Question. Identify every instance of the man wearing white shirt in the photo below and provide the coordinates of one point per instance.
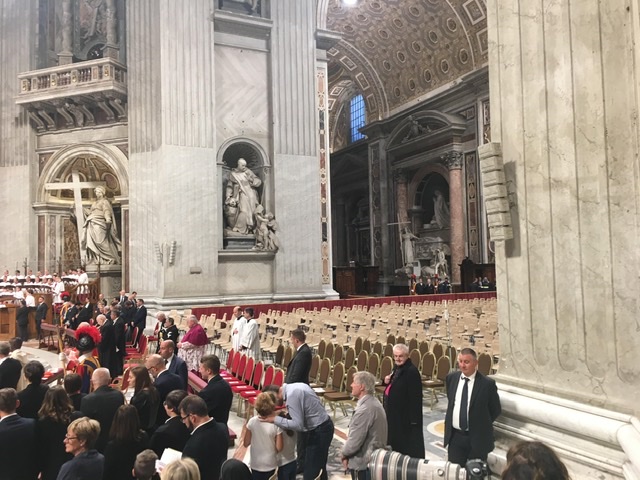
(468, 424)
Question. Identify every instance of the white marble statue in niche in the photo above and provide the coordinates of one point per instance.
(407, 246)
(242, 199)
(441, 214)
(100, 239)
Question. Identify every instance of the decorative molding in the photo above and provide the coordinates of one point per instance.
(495, 192)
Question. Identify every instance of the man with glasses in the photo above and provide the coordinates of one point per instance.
(164, 381)
(209, 440)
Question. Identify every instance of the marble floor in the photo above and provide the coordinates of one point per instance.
(433, 422)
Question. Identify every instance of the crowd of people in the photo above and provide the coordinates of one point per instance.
(87, 429)
(431, 286)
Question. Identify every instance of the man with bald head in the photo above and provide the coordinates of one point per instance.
(174, 364)
(101, 405)
(164, 381)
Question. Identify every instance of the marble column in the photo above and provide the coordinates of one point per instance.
(564, 100)
(18, 163)
(111, 47)
(402, 202)
(296, 166)
(340, 232)
(175, 192)
(65, 56)
(453, 161)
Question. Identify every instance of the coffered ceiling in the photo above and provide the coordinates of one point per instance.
(396, 51)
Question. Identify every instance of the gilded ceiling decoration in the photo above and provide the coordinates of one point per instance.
(394, 51)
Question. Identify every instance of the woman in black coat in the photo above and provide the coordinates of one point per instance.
(145, 398)
(32, 396)
(403, 405)
(53, 419)
(126, 441)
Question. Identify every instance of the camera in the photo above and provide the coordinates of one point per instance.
(386, 465)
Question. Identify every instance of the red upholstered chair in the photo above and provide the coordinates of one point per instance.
(252, 387)
(238, 378)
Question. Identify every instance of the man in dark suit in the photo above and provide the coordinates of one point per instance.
(209, 440)
(41, 314)
(10, 368)
(168, 330)
(473, 406)
(217, 393)
(121, 341)
(17, 439)
(122, 298)
(139, 320)
(174, 363)
(164, 382)
(173, 433)
(85, 314)
(300, 364)
(107, 346)
(101, 404)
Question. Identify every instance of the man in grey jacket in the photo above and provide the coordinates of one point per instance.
(367, 429)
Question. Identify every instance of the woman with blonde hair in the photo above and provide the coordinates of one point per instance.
(185, 469)
(265, 438)
(80, 441)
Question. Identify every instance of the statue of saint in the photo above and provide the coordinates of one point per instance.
(407, 245)
(241, 199)
(441, 214)
(100, 238)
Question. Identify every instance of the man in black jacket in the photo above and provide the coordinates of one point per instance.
(101, 404)
(139, 320)
(217, 393)
(17, 439)
(164, 382)
(209, 440)
(300, 364)
(473, 406)
(10, 368)
(41, 314)
(174, 363)
(172, 433)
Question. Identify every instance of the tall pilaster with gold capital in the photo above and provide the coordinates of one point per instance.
(453, 161)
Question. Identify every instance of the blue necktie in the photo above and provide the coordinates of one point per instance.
(464, 420)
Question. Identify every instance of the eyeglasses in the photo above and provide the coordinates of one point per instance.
(185, 417)
(67, 437)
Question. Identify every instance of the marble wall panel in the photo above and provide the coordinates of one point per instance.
(564, 97)
(245, 276)
(297, 207)
(242, 103)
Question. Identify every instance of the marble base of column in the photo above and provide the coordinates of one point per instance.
(65, 58)
(591, 441)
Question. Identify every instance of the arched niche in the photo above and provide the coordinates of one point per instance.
(258, 163)
(66, 187)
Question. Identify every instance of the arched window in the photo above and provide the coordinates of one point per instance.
(357, 117)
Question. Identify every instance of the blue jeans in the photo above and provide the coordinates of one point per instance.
(317, 451)
(288, 471)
